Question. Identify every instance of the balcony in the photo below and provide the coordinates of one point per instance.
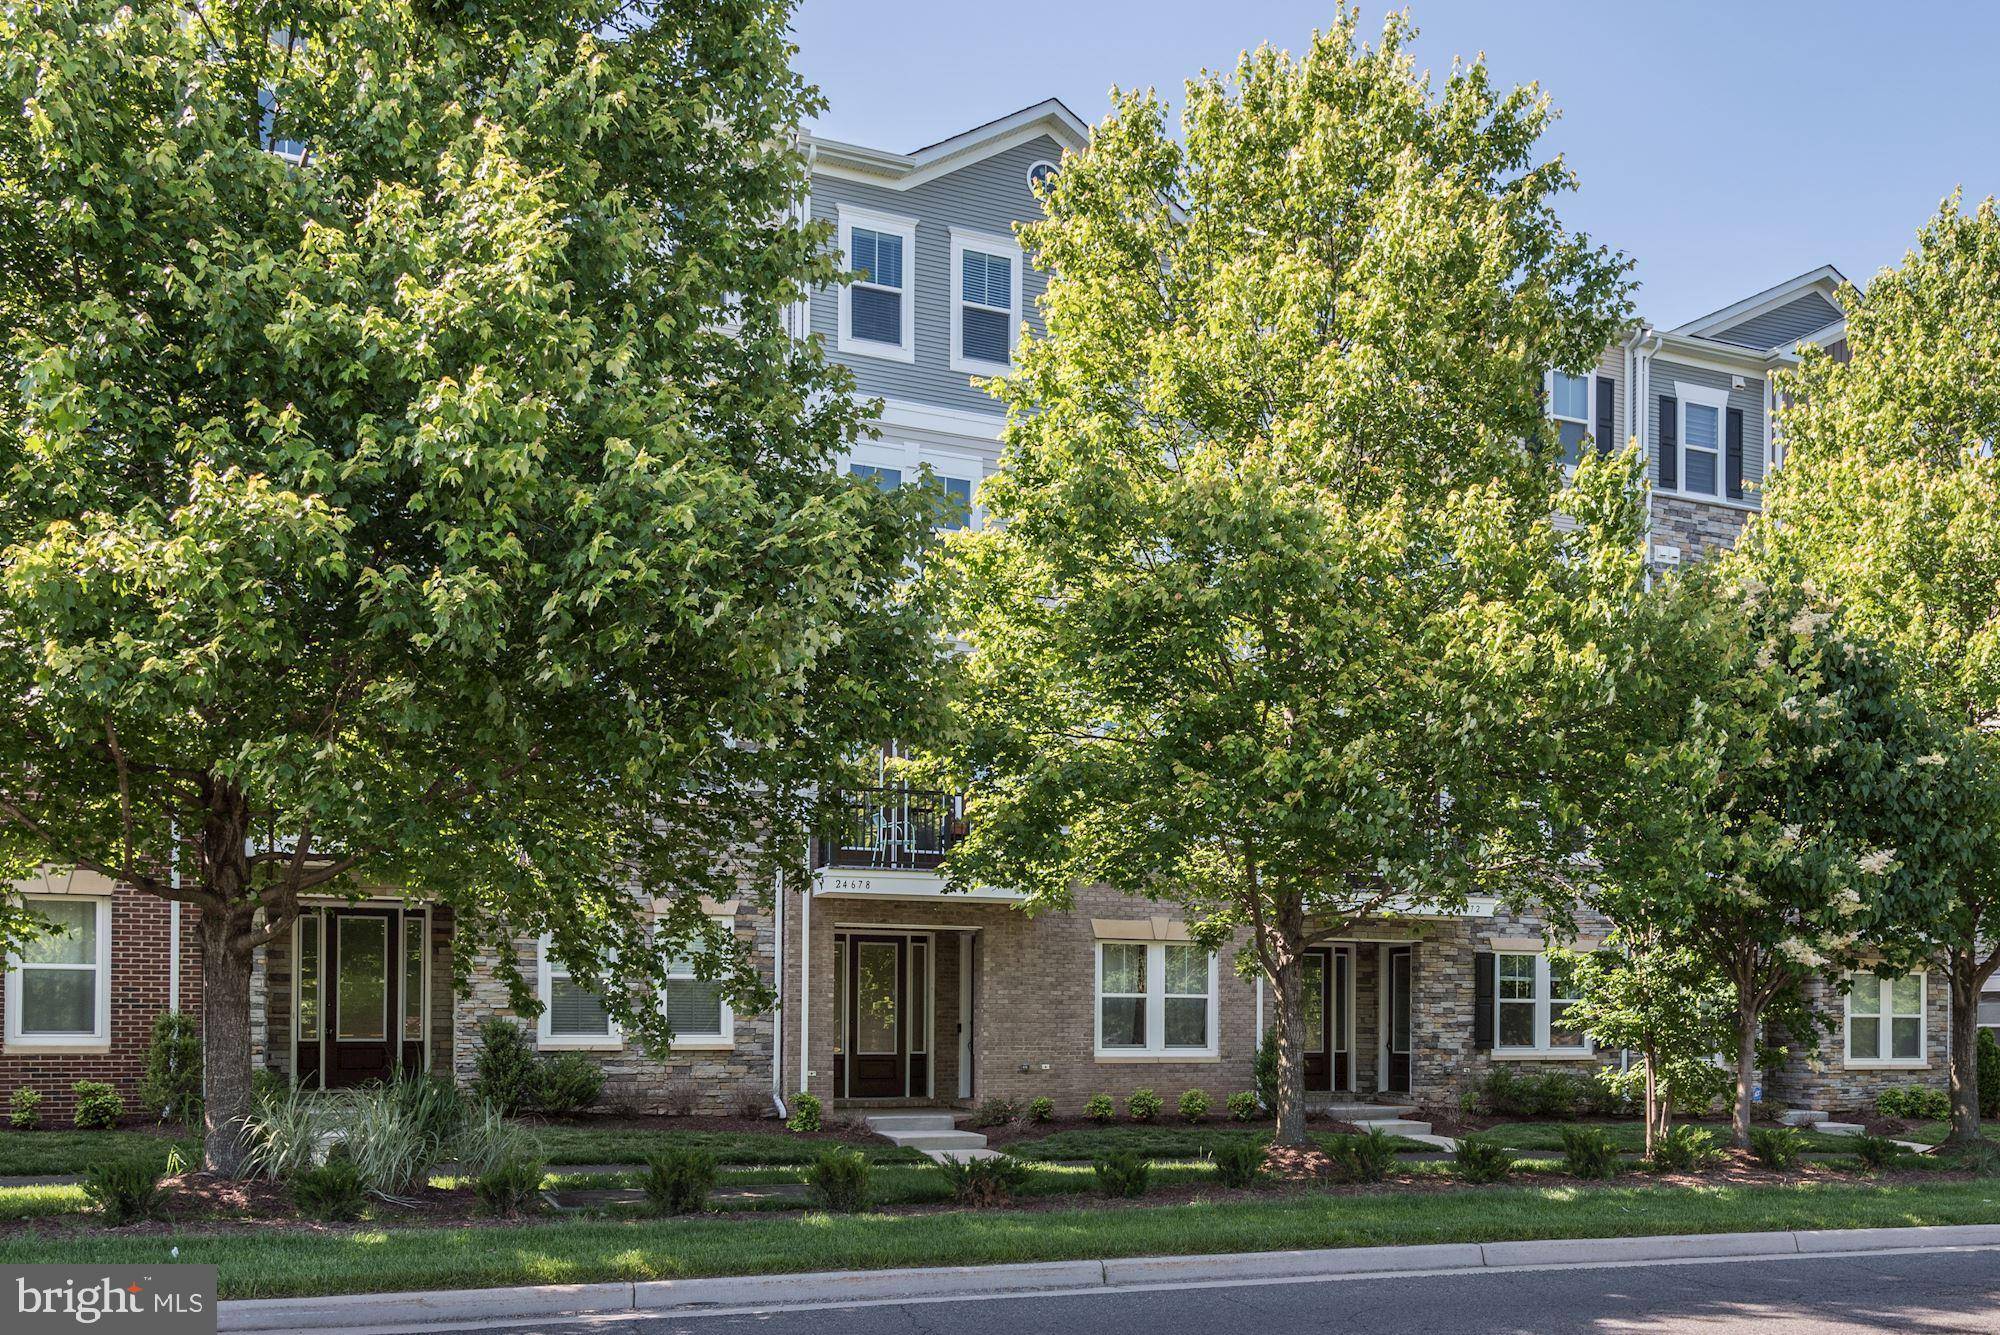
(889, 843)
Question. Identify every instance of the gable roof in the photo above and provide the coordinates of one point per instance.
(1825, 281)
(900, 171)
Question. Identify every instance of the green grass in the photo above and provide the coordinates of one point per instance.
(582, 1144)
(1154, 1142)
(276, 1263)
(1630, 1137)
(1933, 1133)
(35, 1202)
(50, 1153)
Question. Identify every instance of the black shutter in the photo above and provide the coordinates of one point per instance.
(1670, 443)
(1605, 390)
(1482, 1000)
(1735, 459)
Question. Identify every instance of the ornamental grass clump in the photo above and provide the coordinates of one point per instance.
(1362, 1158)
(984, 1183)
(1239, 1161)
(1122, 1175)
(677, 1181)
(1482, 1160)
(1589, 1153)
(838, 1181)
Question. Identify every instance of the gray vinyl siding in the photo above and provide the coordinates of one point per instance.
(1750, 399)
(989, 195)
(1784, 326)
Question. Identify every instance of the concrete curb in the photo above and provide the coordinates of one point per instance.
(647, 1297)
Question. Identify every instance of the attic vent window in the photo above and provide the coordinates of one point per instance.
(1039, 175)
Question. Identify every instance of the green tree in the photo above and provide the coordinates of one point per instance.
(438, 502)
(1277, 624)
(1781, 796)
(1890, 497)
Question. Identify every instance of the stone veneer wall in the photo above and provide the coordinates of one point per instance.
(1825, 1082)
(732, 1082)
(1698, 528)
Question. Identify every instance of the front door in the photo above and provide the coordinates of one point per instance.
(1399, 1019)
(362, 1009)
(1326, 1020)
(878, 1039)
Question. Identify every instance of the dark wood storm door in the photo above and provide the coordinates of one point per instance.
(1326, 974)
(1398, 1018)
(364, 1004)
(878, 1015)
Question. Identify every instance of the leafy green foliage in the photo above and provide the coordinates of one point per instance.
(124, 1190)
(504, 1065)
(1122, 1175)
(678, 1181)
(98, 1106)
(1989, 1074)
(1040, 1109)
(511, 1187)
(1777, 1147)
(24, 1108)
(806, 1114)
(1244, 1106)
(1100, 1109)
(171, 1086)
(1682, 1148)
(1272, 570)
(1264, 1070)
(567, 1083)
(1482, 1160)
(1362, 1158)
(489, 1139)
(448, 507)
(838, 1181)
(1647, 992)
(1876, 1152)
(1194, 1105)
(332, 1190)
(1914, 1103)
(1144, 1105)
(995, 1112)
(984, 1183)
(1238, 1162)
(1588, 1152)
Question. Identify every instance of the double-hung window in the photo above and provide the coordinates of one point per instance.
(1155, 999)
(573, 1013)
(985, 302)
(1885, 1020)
(878, 303)
(1704, 412)
(1569, 407)
(695, 1007)
(1532, 995)
(59, 984)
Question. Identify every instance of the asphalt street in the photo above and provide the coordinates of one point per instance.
(1950, 1291)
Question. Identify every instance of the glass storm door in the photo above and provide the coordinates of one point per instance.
(878, 1039)
(1399, 1019)
(363, 1011)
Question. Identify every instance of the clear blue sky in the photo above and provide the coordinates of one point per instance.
(1723, 146)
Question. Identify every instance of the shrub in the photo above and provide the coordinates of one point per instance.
(1122, 1174)
(1468, 1103)
(396, 1133)
(489, 1139)
(24, 1109)
(98, 1105)
(1363, 1158)
(171, 1086)
(1143, 1105)
(1100, 1109)
(268, 1084)
(1777, 1147)
(806, 1112)
(1041, 1109)
(1875, 1152)
(1588, 1152)
(1194, 1105)
(331, 1191)
(568, 1083)
(287, 1132)
(1264, 1071)
(995, 1112)
(505, 1070)
(511, 1187)
(1598, 1096)
(124, 1190)
(1989, 1074)
(1680, 1148)
(1243, 1106)
(1239, 1161)
(1553, 1094)
(1478, 1159)
(677, 1181)
(838, 1181)
(1981, 1157)
(1914, 1103)
(984, 1183)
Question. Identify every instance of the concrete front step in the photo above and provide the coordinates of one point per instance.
(883, 1124)
(1365, 1112)
(936, 1140)
(1396, 1126)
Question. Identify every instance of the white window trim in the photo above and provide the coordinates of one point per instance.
(906, 228)
(719, 1042)
(908, 457)
(1156, 1049)
(1589, 419)
(1008, 249)
(545, 1037)
(99, 1039)
(1705, 397)
(1541, 1049)
(1887, 1016)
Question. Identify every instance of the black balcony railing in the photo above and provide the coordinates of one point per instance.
(903, 828)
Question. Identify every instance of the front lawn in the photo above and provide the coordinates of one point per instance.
(584, 1144)
(272, 1263)
(53, 1153)
(1156, 1142)
(1933, 1133)
(1630, 1137)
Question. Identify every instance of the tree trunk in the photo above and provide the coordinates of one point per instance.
(1965, 987)
(1746, 1073)
(225, 1045)
(1288, 990)
(1656, 1121)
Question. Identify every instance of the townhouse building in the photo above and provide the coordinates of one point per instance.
(892, 992)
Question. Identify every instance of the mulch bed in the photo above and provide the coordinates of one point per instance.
(835, 1129)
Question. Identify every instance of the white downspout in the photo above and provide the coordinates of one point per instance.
(778, 967)
(805, 987)
(1260, 1010)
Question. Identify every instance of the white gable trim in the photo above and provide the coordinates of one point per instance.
(902, 171)
(1825, 280)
